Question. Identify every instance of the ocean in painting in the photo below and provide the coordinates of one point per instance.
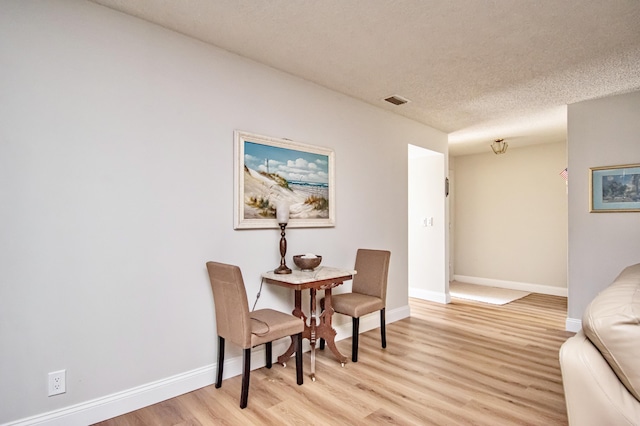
(311, 188)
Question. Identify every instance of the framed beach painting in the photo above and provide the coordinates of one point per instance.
(270, 171)
(615, 188)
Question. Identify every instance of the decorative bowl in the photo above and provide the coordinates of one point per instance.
(307, 263)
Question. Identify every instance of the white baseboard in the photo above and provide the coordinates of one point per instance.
(573, 324)
(123, 402)
(372, 321)
(432, 296)
(119, 403)
(514, 285)
(369, 322)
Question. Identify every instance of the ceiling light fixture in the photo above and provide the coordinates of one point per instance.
(499, 146)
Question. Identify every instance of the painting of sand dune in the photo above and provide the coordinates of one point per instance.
(270, 171)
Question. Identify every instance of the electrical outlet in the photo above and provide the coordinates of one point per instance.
(57, 382)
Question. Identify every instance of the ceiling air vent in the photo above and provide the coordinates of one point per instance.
(396, 100)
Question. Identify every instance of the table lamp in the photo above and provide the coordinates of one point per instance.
(282, 216)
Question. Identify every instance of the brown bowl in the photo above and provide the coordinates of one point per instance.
(307, 264)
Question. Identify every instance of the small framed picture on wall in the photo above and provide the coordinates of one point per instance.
(614, 189)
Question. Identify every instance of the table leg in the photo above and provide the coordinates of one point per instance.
(297, 311)
(326, 330)
(313, 333)
(317, 328)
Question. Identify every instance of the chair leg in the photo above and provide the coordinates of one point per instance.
(383, 329)
(268, 354)
(246, 370)
(354, 338)
(220, 361)
(299, 374)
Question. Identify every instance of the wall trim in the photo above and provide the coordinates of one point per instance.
(118, 403)
(372, 321)
(514, 285)
(432, 296)
(123, 402)
(573, 324)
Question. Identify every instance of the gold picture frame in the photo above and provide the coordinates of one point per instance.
(614, 189)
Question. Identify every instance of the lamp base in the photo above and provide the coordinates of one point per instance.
(282, 269)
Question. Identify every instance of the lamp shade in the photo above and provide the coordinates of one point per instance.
(282, 212)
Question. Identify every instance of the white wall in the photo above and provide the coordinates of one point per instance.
(428, 275)
(116, 175)
(602, 132)
(510, 218)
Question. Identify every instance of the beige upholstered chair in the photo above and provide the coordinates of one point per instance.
(247, 329)
(369, 294)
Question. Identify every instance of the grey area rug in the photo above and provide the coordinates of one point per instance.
(482, 293)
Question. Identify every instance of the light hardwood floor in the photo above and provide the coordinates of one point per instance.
(465, 363)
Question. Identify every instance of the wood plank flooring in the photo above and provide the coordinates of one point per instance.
(465, 363)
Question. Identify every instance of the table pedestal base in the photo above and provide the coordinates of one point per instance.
(321, 329)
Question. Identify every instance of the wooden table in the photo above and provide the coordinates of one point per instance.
(322, 278)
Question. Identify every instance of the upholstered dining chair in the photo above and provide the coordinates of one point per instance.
(368, 294)
(247, 329)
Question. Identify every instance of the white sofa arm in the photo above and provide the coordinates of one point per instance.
(594, 394)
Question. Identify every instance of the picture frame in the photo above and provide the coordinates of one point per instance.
(269, 170)
(614, 189)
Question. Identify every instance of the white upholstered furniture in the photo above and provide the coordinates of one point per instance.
(601, 363)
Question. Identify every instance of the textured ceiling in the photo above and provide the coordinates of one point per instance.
(476, 69)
